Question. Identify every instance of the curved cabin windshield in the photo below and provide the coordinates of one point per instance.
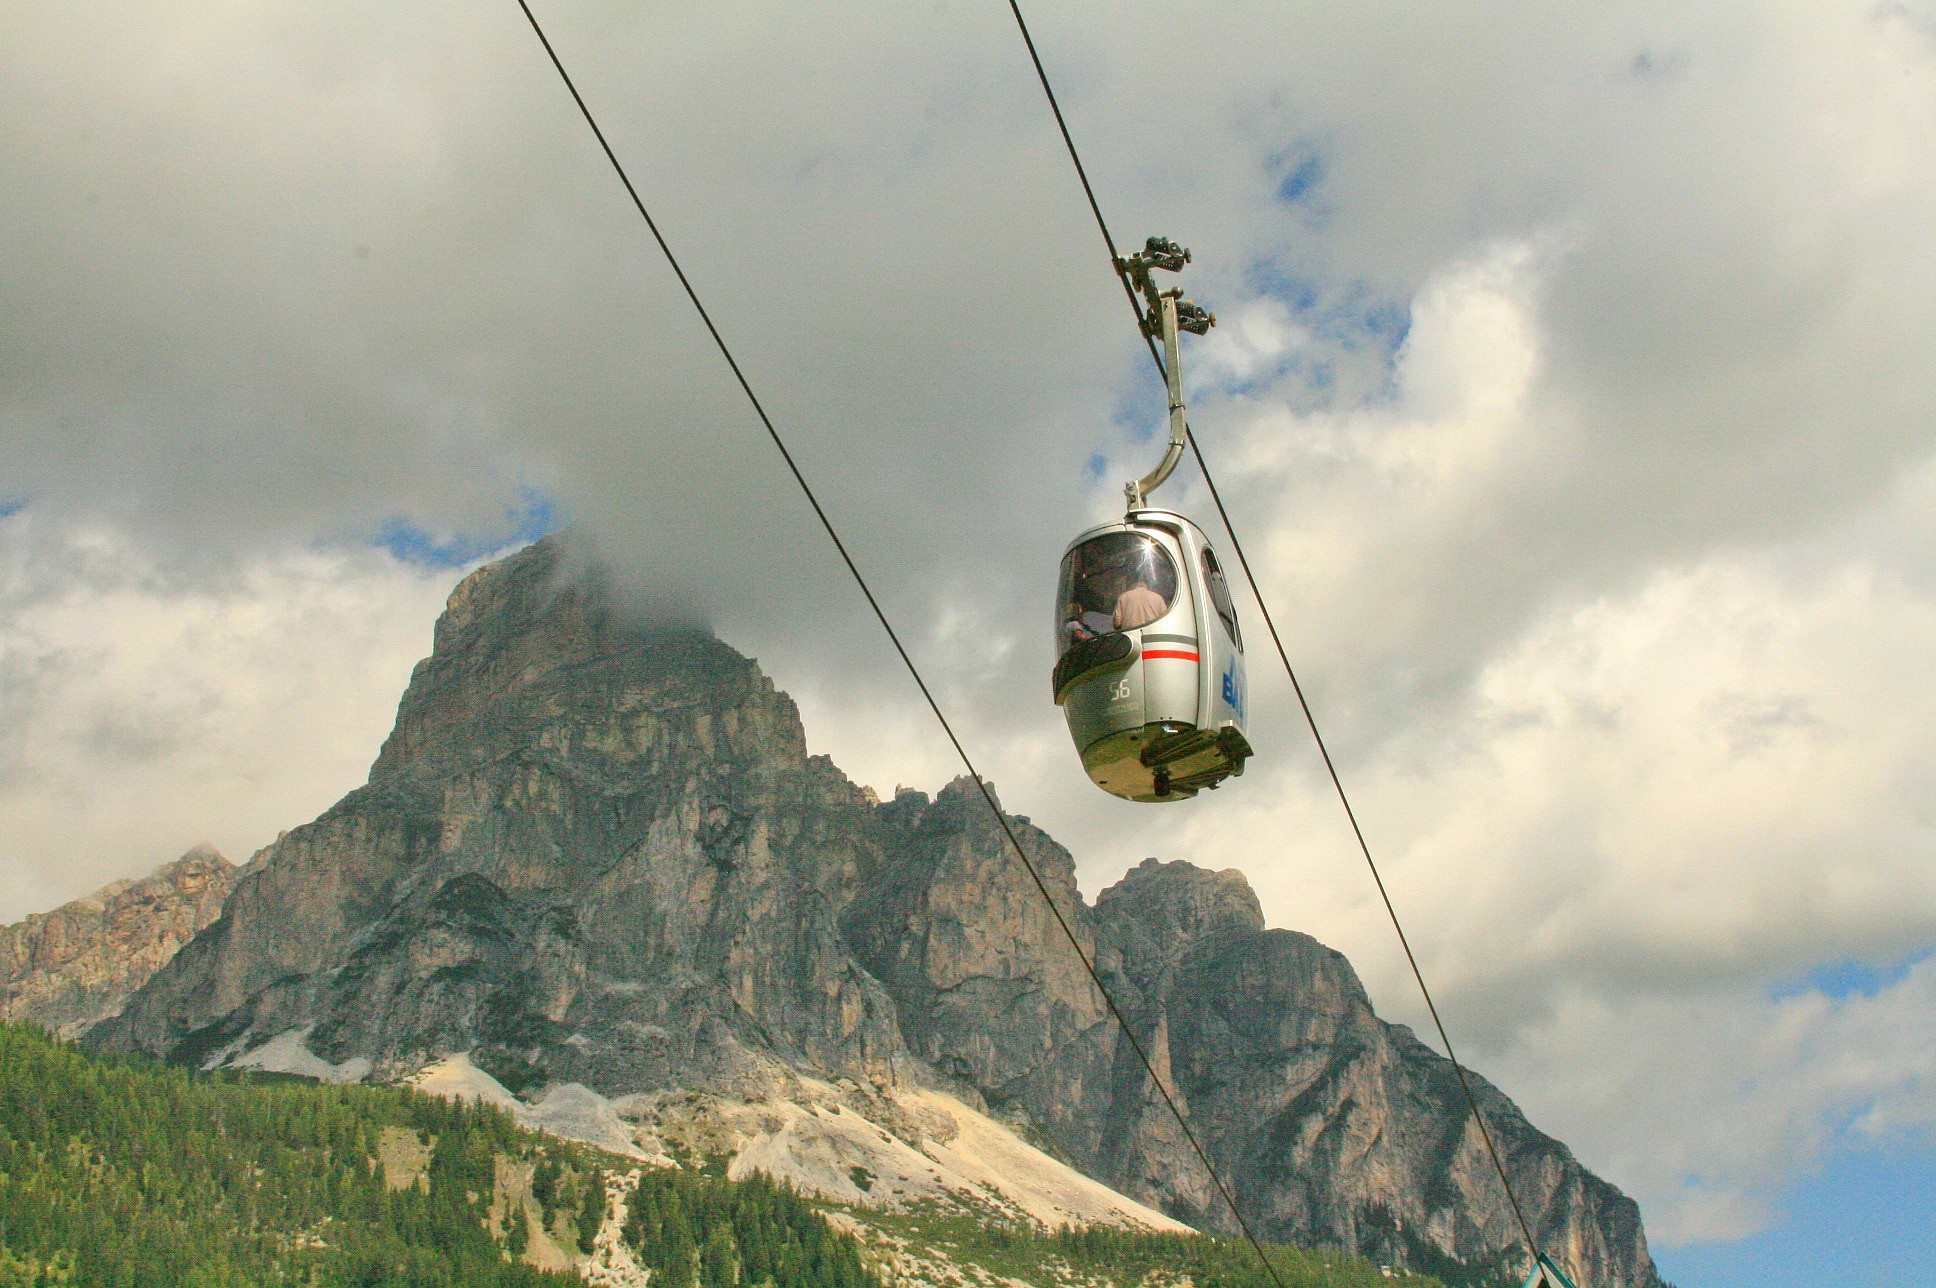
(1116, 582)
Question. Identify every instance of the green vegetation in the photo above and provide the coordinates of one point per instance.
(122, 1174)
(698, 1231)
(1214, 1262)
(126, 1174)
(1129, 1258)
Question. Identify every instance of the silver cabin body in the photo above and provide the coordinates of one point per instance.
(1149, 658)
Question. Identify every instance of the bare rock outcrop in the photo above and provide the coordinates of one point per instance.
(1330, 1125)
(596, 852)
(70, 968)
(1323, 1115)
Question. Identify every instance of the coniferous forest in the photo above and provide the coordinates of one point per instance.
(121, 1173)
(698, 1231)
(124, 1174)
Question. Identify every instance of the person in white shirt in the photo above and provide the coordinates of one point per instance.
(1138, 606)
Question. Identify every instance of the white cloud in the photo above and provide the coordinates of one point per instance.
(143, 715)
(1612, 843)
(1742, 1093)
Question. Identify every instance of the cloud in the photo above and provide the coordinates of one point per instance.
(1717, 765)
(1789, 1077)
(1571, 393)
(144, 715)
(1642, 815)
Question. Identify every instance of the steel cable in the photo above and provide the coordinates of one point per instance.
(1263, 608)
(987, 795)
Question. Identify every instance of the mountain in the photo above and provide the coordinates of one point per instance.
(594, 868)
(66, 969)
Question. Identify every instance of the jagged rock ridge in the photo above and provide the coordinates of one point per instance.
(600, 854)
(67, 969)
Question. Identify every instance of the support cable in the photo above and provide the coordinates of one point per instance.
(1263, 608)
(987, 795)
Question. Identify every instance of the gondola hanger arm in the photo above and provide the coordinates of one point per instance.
(1166, 315)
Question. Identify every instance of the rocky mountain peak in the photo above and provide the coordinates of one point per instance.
(1179, 902)
(70, 968)
(595, 861)
(532, 653)
(199, 859)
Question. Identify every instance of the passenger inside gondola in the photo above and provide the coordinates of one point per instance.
(1138, 605)
(1115, 583)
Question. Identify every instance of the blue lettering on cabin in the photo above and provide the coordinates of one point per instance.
(1233, 693)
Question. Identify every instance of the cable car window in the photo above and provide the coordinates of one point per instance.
(1220, 596)
(1115, 582)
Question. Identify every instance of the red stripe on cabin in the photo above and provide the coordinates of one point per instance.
(1178, 654)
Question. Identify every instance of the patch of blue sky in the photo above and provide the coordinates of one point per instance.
(10, 506)
(1866, 1218)
(1352, 315)
(1314, 376)
(1301, 180)
(1320, 376)
(407, 541)
(1302, 169)
(1850, 977)
(1389, 321)
(1299, 294)
(1098, 465)
(1349, 320)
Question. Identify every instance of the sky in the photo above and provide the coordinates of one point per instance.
(1570, 392)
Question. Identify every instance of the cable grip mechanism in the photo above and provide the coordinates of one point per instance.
(1165, 313)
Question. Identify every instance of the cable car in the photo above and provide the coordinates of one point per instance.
(1149, 668)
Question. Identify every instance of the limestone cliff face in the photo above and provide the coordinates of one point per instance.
(600, 853)
(67, 969)
(1324, 1115)
(1329, 1124)
(587, 853)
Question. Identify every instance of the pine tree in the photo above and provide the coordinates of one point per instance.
(591, 1211)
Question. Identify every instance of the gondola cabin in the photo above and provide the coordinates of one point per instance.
(1149, 659)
